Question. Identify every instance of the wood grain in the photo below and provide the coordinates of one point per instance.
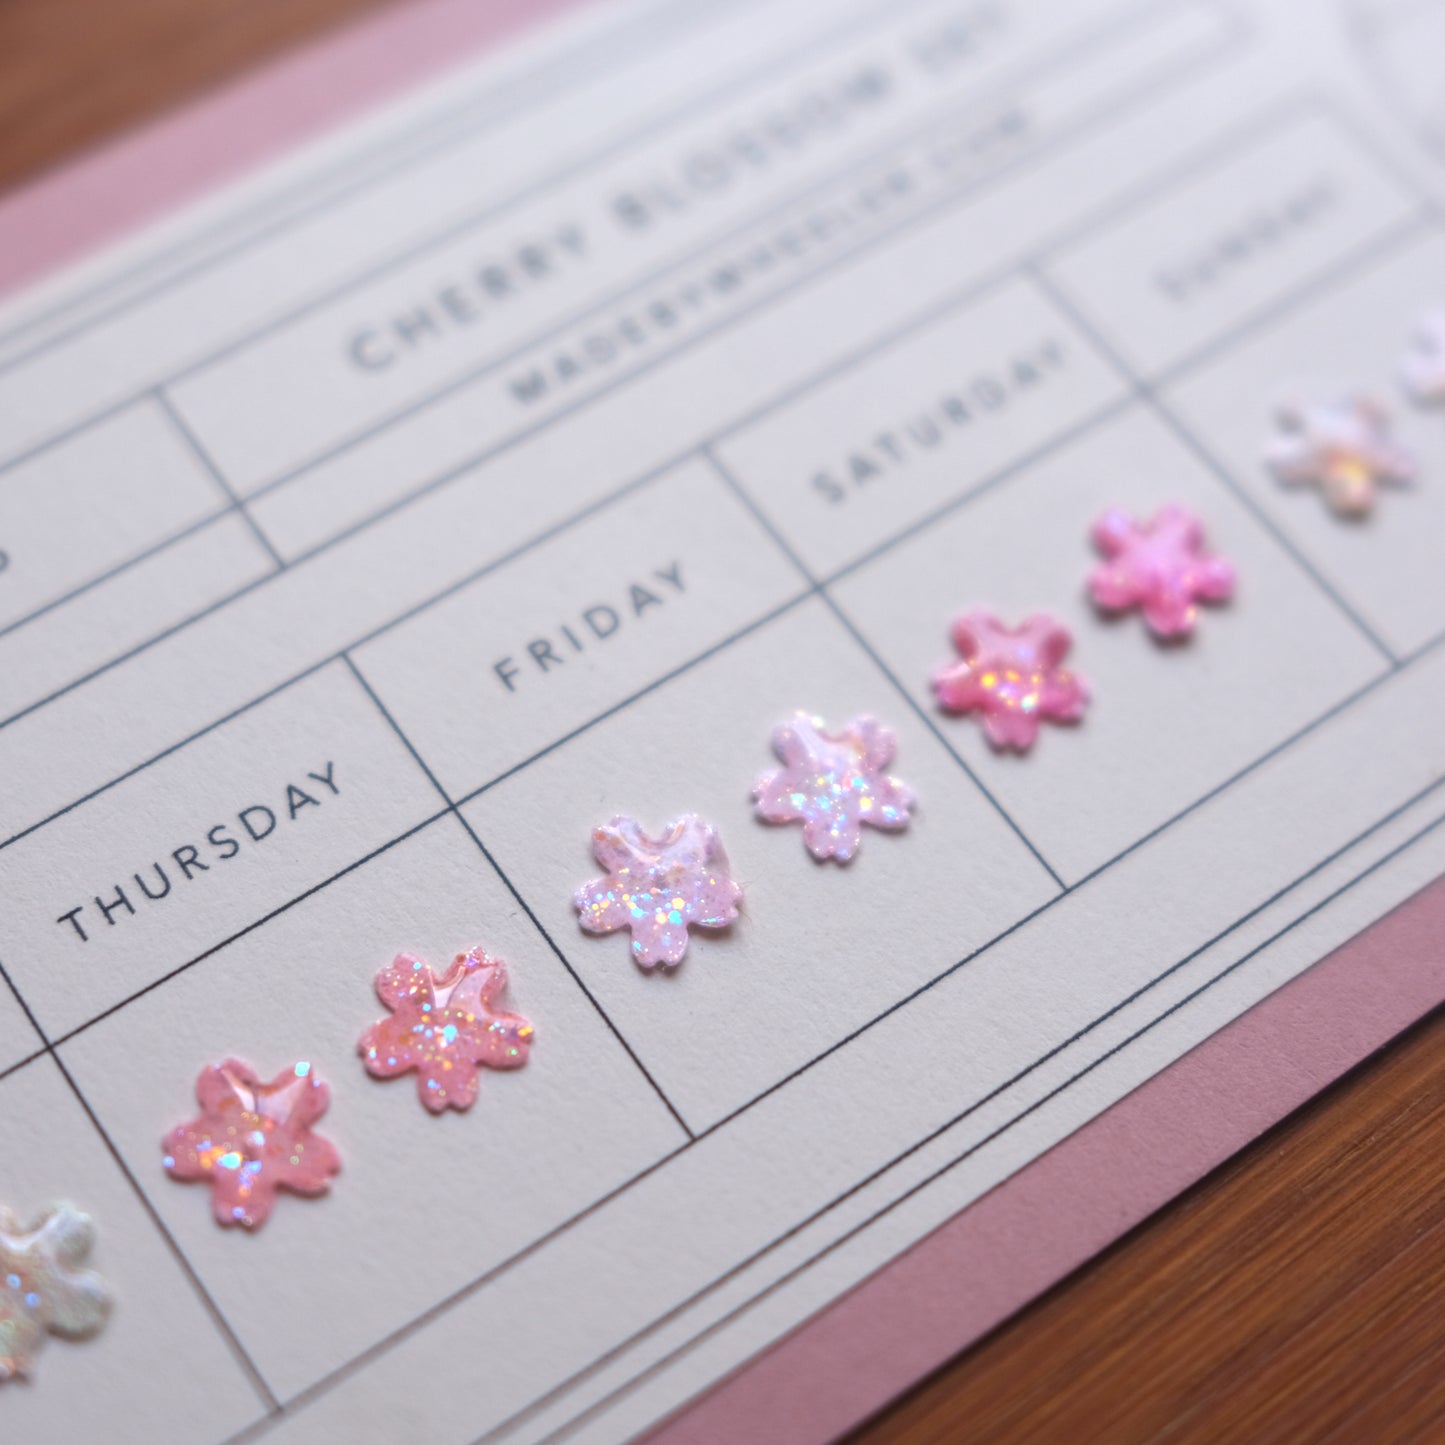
(1298, 1294)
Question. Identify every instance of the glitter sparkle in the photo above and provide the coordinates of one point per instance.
(1424, 367)
(444, 1028)
(1013, 676)
(1343, 448)
(658, 888)
(1159, 566)
(43, 1289)
(833, 783)
(252, 1139)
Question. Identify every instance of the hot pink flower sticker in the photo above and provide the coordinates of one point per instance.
(252, 1139)
(444, 1028)
(1014, 676)
(833, 783)
(1159, 566)
(1343, 448)
(658, 887)
(1425, 363)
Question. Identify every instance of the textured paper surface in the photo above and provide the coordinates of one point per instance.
(521, 456)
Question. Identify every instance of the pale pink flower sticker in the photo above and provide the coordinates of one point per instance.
(1159, 566)
(1013, 676)
(833, 783)
(252, 1139)
(1344, 448)
(444, 1028)
(658, 888)
(1424, 367)
(43, 1288)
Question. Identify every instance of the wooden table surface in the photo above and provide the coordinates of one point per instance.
(1297, 1294)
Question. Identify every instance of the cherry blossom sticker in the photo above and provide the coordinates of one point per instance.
(1159, 566)
(1424, 367)
(252, 1139)
(44, 1290)
(444, 1028)
(1013, 676)
(833, 783)
(1344, 448)
(658, 888)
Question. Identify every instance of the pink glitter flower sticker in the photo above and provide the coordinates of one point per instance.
(252, 1139)
(658, 887)
(445, 1028)
(1343, 448)
(1159, 566)
(833, 783)
(1013, 676)
(1424, 367)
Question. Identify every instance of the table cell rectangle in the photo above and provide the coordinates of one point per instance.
(1208, 252)
(860, 459)
(162, 1364)
(611, 606)
(84, 505)
(103, 622)
(124, 889)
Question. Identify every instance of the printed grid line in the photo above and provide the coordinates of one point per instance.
(208, 464)
(1231, 41)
